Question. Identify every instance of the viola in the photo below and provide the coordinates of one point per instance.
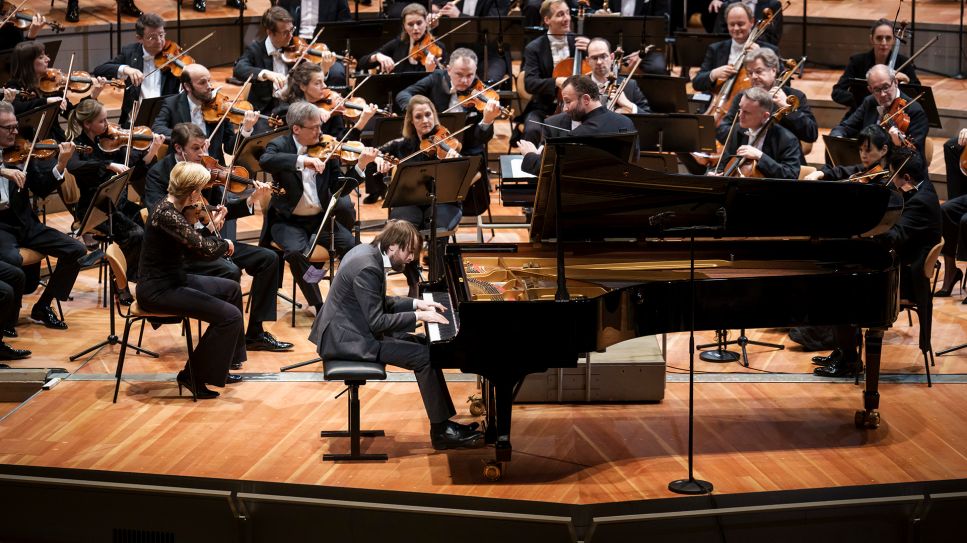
(22, 18)
(897, 115)
(116, 138)
(235, 180)
(54, 80)
(351, 108)
(213, 110)
(438, 142)
(869, 175)
(199, 212)
(43, 150)
(426, 46)
(477, 95)
(168, 52)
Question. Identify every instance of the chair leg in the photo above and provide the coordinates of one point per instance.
(117, 375)
(909, 318)
(191, 369)
(293, 301)
(354, 433)
(926, 365)
(141, 335)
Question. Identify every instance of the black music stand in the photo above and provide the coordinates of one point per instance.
(102, 210)
(148, 111)
(387, 129)
(431, 183)
(252, 147)
(631, 33)
(359, 37)
(690, 48)
(49, 112)
(665, 93)
(381, 89)
(662, 133)
(842, 151)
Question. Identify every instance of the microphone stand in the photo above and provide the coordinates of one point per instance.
(960, 45)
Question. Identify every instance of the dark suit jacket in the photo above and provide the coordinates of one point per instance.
(859, 64)
(132, 55)
(599, 121)
(643, 8)
(485, 8)
(90, 170)
(772, 34)
(397, 49)
(254, 59)
(40, 183)
(866, 115)
(780, 152)
(717, 55)
(802, 122)
(358, 313)
(919, 226)
(633, 93)
(329, 11)
(175, 109)
(280, 160)
(539, 68)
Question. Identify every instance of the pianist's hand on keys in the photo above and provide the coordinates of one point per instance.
(430, 312)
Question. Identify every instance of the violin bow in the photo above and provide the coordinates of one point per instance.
(32, 144)
(917, 54)
(308, 46)
(621, 87)
(228, 110)
(435, 144)
(231, 162)
(899, 111)
(789, 73)
(897, 172)
(67, 80)
(476, 94)
(179, 55)
(425, 47)
(135, 109)
(13, 13)
(725, 145)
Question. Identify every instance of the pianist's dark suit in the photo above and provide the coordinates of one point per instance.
(718, 55)
(600, 121)
(360, 322)
(780, 152)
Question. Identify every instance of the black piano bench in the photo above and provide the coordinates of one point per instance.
(354, 373)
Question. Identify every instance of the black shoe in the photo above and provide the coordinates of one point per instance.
(842, 369)
(73, 14)
(236, 365)
(9, 353)
(45, 315)
(374, 197)
(266, 342)
(128, 8)
(944, 292)
(201, 391)
(236, 4)
(456, 436)
(199, 5)
(10, 332)
(833, 358)
(90, 259)
(125, 297)
(232, 378)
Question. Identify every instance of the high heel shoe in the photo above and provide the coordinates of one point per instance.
(201, 391)
(128, 8)
(945, 292)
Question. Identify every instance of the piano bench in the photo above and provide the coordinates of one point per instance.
(354, 373)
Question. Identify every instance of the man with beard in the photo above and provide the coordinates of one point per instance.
(583, 115)
(360, 322)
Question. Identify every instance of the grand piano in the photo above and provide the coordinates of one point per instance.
(608, 260)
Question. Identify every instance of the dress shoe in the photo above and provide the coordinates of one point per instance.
(236, 365)
(73, 11)
(128, 8)
(833, 358)
(9, 353)
(201, 391)
(45, 315)
(236, 4)
(4, 366)
(90, 259)
(374, 197)
(456, 436)
(841, 369)
(232, 379)
(199, 5)
(944, 292)
(266, 342)
(10, 332)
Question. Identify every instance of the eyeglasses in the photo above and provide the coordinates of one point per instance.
(286, 31)
(882, 88)
(155, 37)
(600, 58)
(313, 127)
(9, 127)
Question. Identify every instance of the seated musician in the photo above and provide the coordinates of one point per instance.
(953, 150)
(415, 26)
(954, 214)
(307, 15)
(10, 35)
(497, 64)
(882, 41)
(775, 152)
(12, 280)
(884, 94)
(875, 150)
(631, 100)
(913, 235)
(188, 144)
(360, 322)
(19, 226)
(653, 61)
(541, 55)
(136, 63)
(583, 114)
(773, 32)
(721, 58)
(188, 107)
(165, 287)
(294, 217)
(762, 66)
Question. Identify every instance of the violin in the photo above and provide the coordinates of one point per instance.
(43, 150)
(213, 110)
(199, 212)
(348, 152)
(22, 18)
(739, 166)
(54, 80)
(116, 137)
(426, 46)
(351, 108)
(298, 47)
(235, 180)
(168, 52)
(869, 175)
(896, 115)
(477, 95)
(438, 142)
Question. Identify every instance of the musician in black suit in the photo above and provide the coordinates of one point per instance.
(913, 235)
(875, 150)
(956, 178)
(583, 115)
(12, 281)
(10, 35)
(293, 218)
(479, 8)
(360, 322)
(631, 100)
(309, 15)
(540, 57)
(19, 226)
(498, 65)
(882, 40)
(721, 58)
(188, 106)
(415, 25)
(772, 34)
(762, 65)
(776, 151)
(136, 60)
(654, 61)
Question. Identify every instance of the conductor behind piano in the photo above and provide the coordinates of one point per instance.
(360, 322)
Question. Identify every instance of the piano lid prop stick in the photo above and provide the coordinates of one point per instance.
(550, 126)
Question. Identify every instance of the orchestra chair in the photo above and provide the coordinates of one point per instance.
(807, 147)
(135, 313)
(921, 301)
(805, 170)
(354, 373)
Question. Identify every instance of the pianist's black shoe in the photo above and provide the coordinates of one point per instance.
(454, 435)
(834, 358)
(45, 315)
(10, 332)
(840, 369)
(9, 353)
(266, 342)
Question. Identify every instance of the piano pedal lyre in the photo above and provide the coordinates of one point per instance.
(493, 470)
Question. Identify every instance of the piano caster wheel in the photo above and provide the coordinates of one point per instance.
(477, 407)
(493, 470)
(867, 420)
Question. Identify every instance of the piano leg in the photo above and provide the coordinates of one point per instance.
(499, 397)
(869, 418)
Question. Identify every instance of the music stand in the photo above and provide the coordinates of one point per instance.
(381, 89)
(32, 119)
(359, 36)
(149, 109)
(675, 132)
(387, 129)
(690, 48)
(431, 183)
(251, 149)
(665, 93)
(102, 210)
(927, 101)
(841, 151)
(631, 33)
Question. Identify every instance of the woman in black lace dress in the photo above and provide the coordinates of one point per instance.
(165, 287)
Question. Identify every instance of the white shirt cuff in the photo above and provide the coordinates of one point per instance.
(300, 162)
(414, 304)
(360, 171)
(121, 71)
(57, 174)
(262, 75)
(247, 132)
(485, 126)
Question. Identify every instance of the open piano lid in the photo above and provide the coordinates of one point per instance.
(605, 197)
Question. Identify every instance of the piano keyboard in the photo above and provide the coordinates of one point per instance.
(435, 331)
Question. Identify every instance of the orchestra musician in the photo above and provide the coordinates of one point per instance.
(583, 114)
(762, 66)
(772, 34)
(654, 61)
(954, 214)
(875, 149)
(601, 59)
(540, 57)
(953, 150)
(913, 235)
(720, 59)
(498, 65)
(308, 15)
(20, 227)
(136, 63)
(10, 35)
(360, 322)
(188, 107)
(189, 145)
(415, 26)
(882, 40)
(12, 281)
(776, 152)
(165, 287)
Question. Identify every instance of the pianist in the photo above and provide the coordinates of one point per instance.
(360, 322)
